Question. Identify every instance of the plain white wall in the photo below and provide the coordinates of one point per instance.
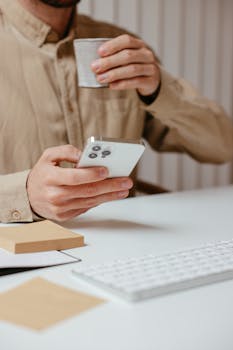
(194, 39)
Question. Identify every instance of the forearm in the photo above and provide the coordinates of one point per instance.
(183, 121)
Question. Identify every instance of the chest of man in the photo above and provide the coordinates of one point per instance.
(41, 105)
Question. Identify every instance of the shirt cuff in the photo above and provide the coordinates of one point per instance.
(166, 98)
(14, 202)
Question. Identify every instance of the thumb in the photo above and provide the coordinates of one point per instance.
(58, 154)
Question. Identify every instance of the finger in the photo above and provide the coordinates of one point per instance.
(65, 193)
(57, 176)
(122, 42)
(69, 215)
(147, 84)
(122, 58)
(61, 153)
(85, 203)
(127, 72)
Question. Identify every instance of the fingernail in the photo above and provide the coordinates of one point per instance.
(96, 66)
(123, 194)
(102, 77)
(126, 184)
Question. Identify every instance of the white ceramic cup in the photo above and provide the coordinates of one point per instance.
(86, 52)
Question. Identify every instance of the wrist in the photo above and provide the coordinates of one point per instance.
(149, 99)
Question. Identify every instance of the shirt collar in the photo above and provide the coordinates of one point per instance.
(30, 26)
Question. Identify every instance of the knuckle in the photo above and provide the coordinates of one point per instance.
(112, 76)
(47, 153)
(90, 190)
(106, 63)
(56, 211)
(128, 38)
(128, 54)
(150, 54)
(72, 178)
(69, 148)
(135, 69)
(147, 52)
(54, 197)
(142, 43)
(59, 214)
(48, 197)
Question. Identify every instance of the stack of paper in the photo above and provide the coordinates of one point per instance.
(41, 259)
(37, 245)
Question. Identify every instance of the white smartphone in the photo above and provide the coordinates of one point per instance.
(118, 155)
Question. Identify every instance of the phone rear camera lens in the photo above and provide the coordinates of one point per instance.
(96, 148)
(106, 153)
(92, 155)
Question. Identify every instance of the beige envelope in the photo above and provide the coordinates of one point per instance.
(39, 304)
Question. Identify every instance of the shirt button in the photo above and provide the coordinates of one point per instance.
(16, 215)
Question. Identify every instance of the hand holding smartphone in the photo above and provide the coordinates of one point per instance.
(118, 155)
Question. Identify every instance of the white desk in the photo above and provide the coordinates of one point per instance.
(198, 319)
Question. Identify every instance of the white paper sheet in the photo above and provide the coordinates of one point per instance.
(50, 258)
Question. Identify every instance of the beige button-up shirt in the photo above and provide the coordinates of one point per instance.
(41, 106)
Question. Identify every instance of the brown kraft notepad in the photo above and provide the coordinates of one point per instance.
(38, 237)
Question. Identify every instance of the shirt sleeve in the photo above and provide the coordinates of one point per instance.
(180, 120)
(14, 202)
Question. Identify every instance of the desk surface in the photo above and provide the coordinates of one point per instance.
(200, 318)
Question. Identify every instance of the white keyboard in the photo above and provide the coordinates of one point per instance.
(135, 279)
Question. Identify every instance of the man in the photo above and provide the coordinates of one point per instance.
(45, 118)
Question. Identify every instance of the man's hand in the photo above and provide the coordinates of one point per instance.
(127, 63)
(62, 193)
